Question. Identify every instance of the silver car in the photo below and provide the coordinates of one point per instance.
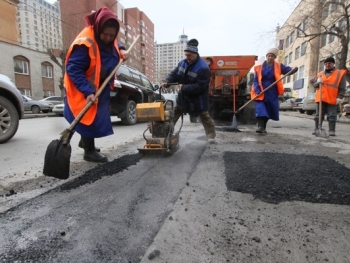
(58, 109)
(309, 104)
(36, 106)
(11, 108)
(53, 100)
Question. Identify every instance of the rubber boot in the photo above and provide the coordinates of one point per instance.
(265, 122)
(80, 144)
(316, 127)
(90, 154)
(331, 126)
(261, 124)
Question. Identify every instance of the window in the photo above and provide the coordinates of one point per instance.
(297, 52)
(323, 40)
(46, 71)
(21, 66)
(300, 73)
(302, 27)
(303, 49)
(290, 57)
(146, 83)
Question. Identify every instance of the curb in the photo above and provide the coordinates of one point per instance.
(39, 115)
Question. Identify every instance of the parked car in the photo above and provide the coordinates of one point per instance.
(11, 108)
(287, 105)
(58, 109)
(309, 104)
(53, 100)
(131, 87)
(36, 106)
(298, 105)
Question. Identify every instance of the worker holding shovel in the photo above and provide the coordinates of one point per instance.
(90, 60)
(330, 87)
(267, 81)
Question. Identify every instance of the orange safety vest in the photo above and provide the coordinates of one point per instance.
(330, 86)
(75, 98)
(258, 72)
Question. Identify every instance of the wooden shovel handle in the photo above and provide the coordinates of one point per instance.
(89, 104)
(262, 92)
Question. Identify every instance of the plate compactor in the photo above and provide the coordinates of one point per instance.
(160, 117)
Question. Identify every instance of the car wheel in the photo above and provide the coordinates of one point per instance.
(301, 111)
(131, 117)
(309, 112)
(35, 109)
(9, 120)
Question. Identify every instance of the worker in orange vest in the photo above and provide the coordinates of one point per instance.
(267, 104)
(333, 83)
(90, 60)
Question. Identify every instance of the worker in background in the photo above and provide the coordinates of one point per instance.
(193, 76)
(333, 83)
(267, 104)
(90, 59)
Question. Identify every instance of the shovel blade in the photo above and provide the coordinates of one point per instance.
(321, 133)
(57, 160)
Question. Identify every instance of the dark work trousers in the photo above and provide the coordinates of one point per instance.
(329, 109)
(207, 122)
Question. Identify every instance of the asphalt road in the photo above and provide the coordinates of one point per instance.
(183, 208)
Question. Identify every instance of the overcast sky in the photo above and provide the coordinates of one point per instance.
(222, 27)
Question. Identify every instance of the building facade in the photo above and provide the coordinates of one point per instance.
(39, 23)
(133, 22)
(306, 39)
(8, 26)
(31, 70)
(167, 56)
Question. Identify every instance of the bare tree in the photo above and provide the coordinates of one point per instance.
(325, 25)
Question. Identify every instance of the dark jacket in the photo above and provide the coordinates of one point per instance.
(194, 77)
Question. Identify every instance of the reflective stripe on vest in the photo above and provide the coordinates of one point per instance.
(330, 86)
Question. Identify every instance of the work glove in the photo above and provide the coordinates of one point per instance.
(338, 101)
(319, 80)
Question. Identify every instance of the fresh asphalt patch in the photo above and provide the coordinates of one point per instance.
(106, 169)
(279, 177)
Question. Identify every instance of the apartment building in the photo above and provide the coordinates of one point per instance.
(306, 39)
(39, 23)
(31, 70)
(167, 56)
(133, 22)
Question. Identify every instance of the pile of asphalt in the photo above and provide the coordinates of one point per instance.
(278, 177)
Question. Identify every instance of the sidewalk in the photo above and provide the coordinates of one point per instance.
(342, 119)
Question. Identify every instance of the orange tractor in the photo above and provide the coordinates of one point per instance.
(230, 84)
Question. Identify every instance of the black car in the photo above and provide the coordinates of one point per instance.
(131, 87)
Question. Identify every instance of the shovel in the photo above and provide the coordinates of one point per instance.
(234, 121)
(320, 132)
(58, 152)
